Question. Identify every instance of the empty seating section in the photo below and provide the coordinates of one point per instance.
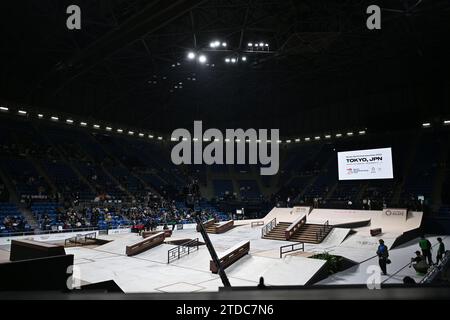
(103, 183)
(25, 178)
(322, 184)
(67, 181)
(25, 140)
(249, 189)
(298, 183)
(199, 171)
(346, 190)
(420, 178)
(222, 187)
(126, 179)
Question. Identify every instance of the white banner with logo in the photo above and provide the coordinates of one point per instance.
(119, 231)
(395, 213)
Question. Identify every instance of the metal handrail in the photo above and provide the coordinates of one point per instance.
(292, 248)
(182, 249)
(268, 227)
(92, 235)
(322, 230)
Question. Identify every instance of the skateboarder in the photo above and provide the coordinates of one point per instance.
(383, 254)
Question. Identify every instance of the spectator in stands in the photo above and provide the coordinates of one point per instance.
(425, 246)
(440, 250)
(383, 254)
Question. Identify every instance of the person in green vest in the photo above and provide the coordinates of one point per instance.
(440, 251)
(425, 246)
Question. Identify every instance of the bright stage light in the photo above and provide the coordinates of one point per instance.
(159, 138)
(266, 44)
(4, 108)
(261, 44)
(215, 44)
(22, 112)
(338, 135)
(40, 115)
(307, 139)
(362, 132)
(191, 55)
(202, 59)
(141, 135)
(317, 138)
(224, 44)
(349, 134)
(278, 141)
(250, 44)
(233, 60)
(297, 140)
(446, 122)
(96, 126)
(69, 121)
(288, 141)
(150, 136)
(256, 44)
(426, 125)
(54, 118)
(108, 128)
(83, 124)
(130, 133)
(227, 60)
(244, 58)
(327, 136)
(119, 130)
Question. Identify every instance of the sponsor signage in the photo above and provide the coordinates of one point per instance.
(119, 231)
(395, 213)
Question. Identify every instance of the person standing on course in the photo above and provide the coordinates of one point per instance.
(383, 254)
(440, 251)
(425, 245)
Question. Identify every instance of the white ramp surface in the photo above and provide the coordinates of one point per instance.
(283, 271)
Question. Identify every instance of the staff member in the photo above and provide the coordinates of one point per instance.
(383, 254)
(425, 245)
(440, 251)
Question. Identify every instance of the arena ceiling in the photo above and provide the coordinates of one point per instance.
(322, 68)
